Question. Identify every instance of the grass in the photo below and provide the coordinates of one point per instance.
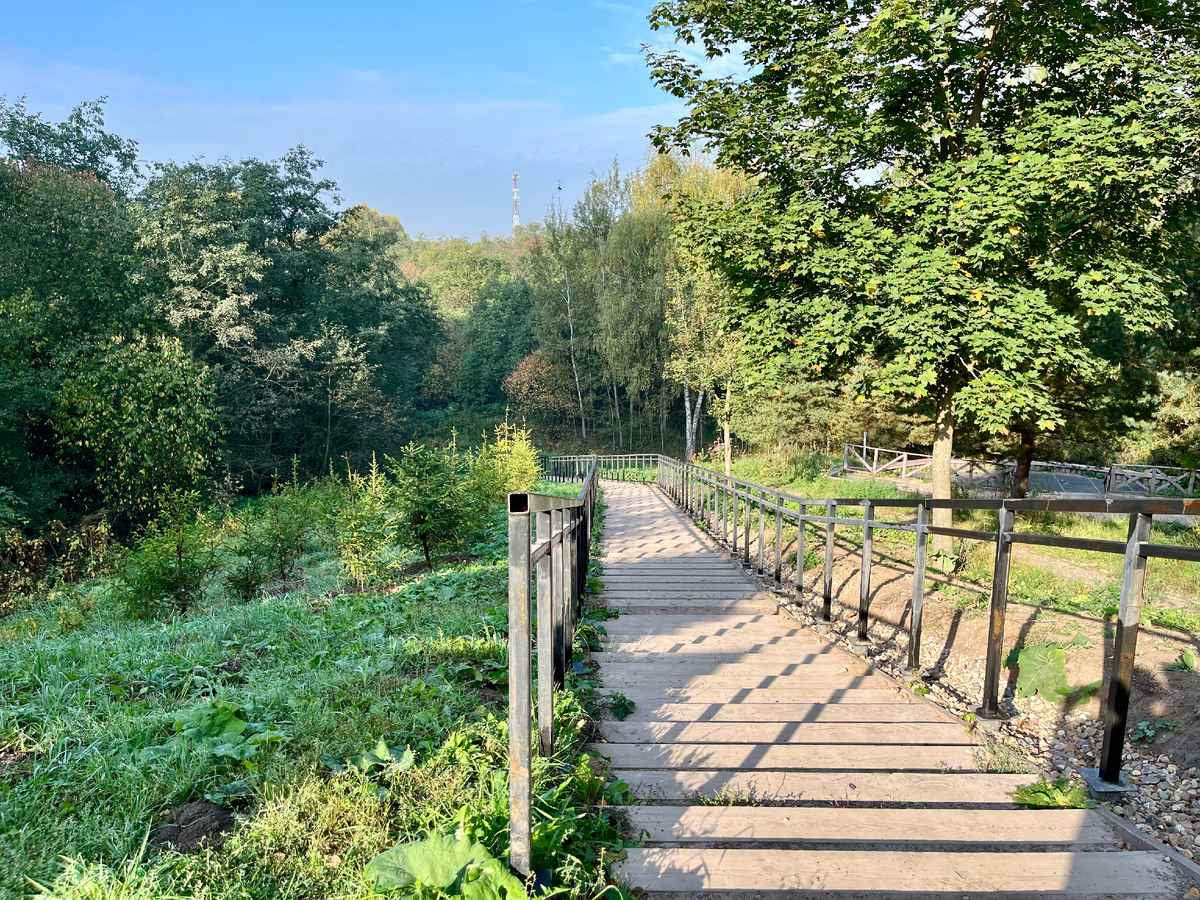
(420, 664)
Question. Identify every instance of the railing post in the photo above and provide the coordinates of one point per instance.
(733, 519)
(762, 521)
(561, 576)
(575, 519)
(724, 511)
(746, 533)
(800, 554)
(1120, 679)
(778, 540)
(827, 586)
(864, 572)
(918, 589)
(546, 637)
(520, 688)
(997, 607)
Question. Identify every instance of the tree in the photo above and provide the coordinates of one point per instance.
(961, 192)
(704, 348)
(80, 144)
(144, 413)
(434, 507)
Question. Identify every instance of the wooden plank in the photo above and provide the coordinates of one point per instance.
(794, 757)
(830, 787)
(663, 607)
(749, 673)
(888, 873)
(740, 679)
(734, 694)
(784, 732)
(659, 710)
(639, 624)
(727, 824)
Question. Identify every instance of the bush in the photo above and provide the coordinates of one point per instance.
(171, 562)
(366, 525)
(435, 503)
(509, 464)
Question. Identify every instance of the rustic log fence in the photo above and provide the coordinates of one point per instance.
(1118, 478)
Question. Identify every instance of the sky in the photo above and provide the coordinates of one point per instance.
(420, 109)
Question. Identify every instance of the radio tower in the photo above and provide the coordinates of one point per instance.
(516, 223)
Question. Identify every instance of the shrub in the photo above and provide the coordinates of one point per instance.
(365, 525)
(171, 562)
(434, 502)
(507, 465)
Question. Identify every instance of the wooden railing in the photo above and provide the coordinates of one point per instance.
(1117, 478)
(736, 513)
(553, 536)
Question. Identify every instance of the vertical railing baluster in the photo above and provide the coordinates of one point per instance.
(1120, 678)
(800, 553)
(864, 572)
(546, 650)
(827, 584)
(918, 589)
(997, 607)
(520, 688)
(762, 522)
(746, 532)
(778, 540)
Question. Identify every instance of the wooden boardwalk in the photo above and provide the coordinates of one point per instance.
(766, 760)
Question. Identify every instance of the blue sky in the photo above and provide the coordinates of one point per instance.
(421, 109)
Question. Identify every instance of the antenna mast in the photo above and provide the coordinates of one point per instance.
(516, 223)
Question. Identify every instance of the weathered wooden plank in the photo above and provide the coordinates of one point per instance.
(734, 694)
(748, 673)
(728, 824)
(888, 873)
(636, 677)
(794, 757)
(785, 732)
(830, 787)
(659, 710)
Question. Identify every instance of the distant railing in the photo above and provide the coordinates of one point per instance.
(722, 504)
(553, 535)
(1118, 478)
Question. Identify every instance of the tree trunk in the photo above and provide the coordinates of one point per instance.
(725, 426)
(1024, 462)
(428, 559)
(689, 445)
(943, 454)
(571, 345)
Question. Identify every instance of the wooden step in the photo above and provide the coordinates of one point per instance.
(934, 790)
(658, 710)
(780, 732)
(792, 757)
(896, 828)
(749, 672)
(765, 654)
(708, 623)
(724, 693)
(666, 607)
(885, 874)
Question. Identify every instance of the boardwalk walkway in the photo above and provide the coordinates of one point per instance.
(768, 760)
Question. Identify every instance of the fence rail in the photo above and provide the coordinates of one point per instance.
(736, 513)
(1117, 478)
(551, 536)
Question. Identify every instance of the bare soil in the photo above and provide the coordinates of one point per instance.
(194, 825)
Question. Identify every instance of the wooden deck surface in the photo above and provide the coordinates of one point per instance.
(766, 761)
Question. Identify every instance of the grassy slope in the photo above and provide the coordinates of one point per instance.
(335, 672)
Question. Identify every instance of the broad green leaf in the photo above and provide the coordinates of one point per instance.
(454, 866)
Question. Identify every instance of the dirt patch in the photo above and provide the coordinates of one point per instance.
(491, 695)
(11, 769)
(412, 569)
(232, 666)
(193, 825)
